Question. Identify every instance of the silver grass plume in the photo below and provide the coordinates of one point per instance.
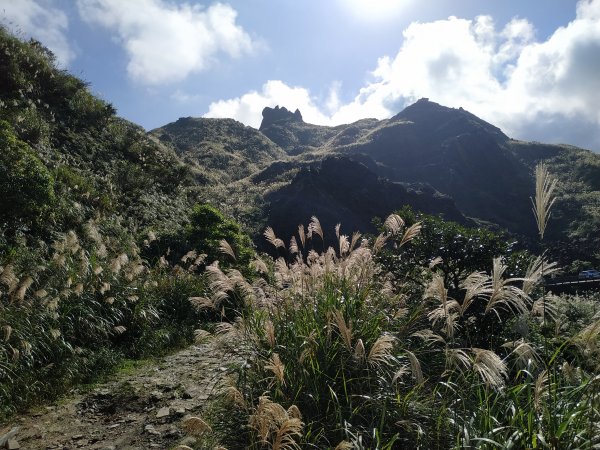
(226, 249)
(542, 204)
(315, 226)
(393, 223)
(381, 351)
(538, 268)
(269, 234)
(411, 233)
(490, 367)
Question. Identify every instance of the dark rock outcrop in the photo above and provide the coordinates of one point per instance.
(340, 190)
(279, 114)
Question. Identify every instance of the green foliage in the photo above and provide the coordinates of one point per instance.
(26, 185)
(84, 304)
(332, 341)
(462, 250)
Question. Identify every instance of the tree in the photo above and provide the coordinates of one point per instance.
(462, 250)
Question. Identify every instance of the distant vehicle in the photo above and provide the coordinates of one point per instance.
(589, 274)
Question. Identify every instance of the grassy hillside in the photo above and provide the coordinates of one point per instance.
(88, 206)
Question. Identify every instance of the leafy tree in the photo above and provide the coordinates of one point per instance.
(462, 250)
(208, 226)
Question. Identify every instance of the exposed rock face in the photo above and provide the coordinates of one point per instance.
(340, 190)
(279, 114)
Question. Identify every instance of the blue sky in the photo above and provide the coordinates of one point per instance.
(530, 67)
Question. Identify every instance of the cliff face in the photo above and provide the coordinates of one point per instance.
(340, 190)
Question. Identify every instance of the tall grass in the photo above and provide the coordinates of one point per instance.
(74, 309)
(365, 363)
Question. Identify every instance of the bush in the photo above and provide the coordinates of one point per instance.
(338, 356)
(26, 185)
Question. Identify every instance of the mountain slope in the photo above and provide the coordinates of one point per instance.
(221, 150)
(487, 174)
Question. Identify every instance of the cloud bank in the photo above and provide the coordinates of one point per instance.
(166, 42)
(546, 90)
(42, 22)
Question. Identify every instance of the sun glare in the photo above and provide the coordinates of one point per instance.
(374, 10)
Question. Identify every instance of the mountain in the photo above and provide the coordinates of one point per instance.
(341, 190)
(440, 160)
(219, 149)
(487, 174)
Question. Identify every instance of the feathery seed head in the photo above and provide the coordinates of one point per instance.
(545, 184)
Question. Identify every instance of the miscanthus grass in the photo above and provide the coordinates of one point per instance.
(365, 362)
(83, 303)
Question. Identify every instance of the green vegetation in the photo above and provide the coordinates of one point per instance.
(83, 197)
(115, 243)
(342, 354)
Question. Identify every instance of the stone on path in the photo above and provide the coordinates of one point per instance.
(163, 412)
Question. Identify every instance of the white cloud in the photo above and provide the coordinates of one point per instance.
(248, 108)
(547, 91)
(42, 21)
(166, 42)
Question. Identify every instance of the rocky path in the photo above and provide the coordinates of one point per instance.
(142, 409)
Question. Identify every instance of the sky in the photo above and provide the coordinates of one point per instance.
(530, 67)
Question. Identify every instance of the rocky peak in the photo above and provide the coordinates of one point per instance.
(279, 114)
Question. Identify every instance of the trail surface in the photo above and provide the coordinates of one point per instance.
(141, 409)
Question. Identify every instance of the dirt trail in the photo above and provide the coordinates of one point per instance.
(143, 409)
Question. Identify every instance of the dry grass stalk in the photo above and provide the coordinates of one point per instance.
(393, 223)
(503, 294)
(538, 268)
(490, 367)
(201, 336)
(344, 245)
(381, 350)
(315, 227)
(476, 285)
(276, 426)
(9, 279)
(201, 303)
(23, 287)
(277, 367)
(359, 351)
(226, 249)
(189, 256)
(447, 309)
(435, 261)
(259, 265)
(293, 246)
(119, 329)
(411, 233)
(269, 234)
(457, 359)
(302, 235)
(380, 241)
(196, 426)
(415, 366)
(78, 289)
(233, 395)
(540, 392)
(337, 319)
(7, 330)
(270, 333)
(545, 185)
(355, 238)
(525, 354)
